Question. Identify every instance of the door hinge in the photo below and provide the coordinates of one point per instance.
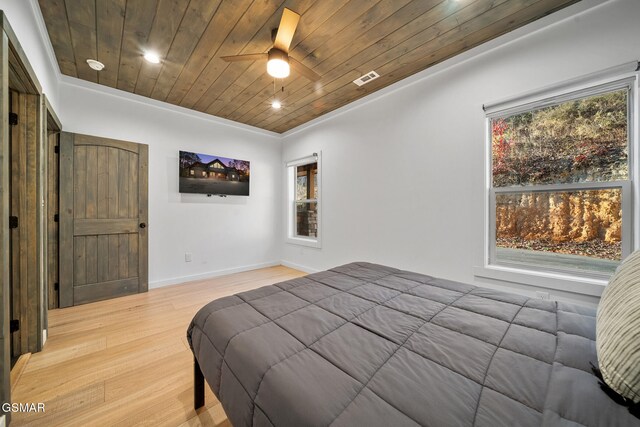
(56, 286)
(14, 325)
(56, 218)
(13, 119)
(56, 149)
(13, 222)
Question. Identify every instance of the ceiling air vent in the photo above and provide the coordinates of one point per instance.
(371, 75)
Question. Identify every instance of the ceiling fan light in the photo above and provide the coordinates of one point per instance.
(278, 64)
(152, 57)
(276, 104)
(278, 68)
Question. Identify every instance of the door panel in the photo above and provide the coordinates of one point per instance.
(103, 200)
(52, 223)
(24, 239)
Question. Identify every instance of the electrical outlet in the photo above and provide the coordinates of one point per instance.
(542, 295)
(187, 257)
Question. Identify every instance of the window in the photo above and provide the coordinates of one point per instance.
(560, 182)
(304, 201)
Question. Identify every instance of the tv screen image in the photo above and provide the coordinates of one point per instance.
(207, 174)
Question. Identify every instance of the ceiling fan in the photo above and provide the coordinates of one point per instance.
(278, 59)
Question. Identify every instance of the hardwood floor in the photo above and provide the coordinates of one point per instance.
(126, 361)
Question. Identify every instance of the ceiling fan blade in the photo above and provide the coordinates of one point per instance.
(248, 57)
(286, 29)
(304, 70)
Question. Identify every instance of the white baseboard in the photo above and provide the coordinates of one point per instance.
(210, 274)
(299, 267)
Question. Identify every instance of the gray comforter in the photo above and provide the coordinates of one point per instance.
(368, 345)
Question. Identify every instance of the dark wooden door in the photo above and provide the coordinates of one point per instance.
(24, 210)
(103, 218)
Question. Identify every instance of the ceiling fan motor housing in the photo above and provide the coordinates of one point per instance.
(276, 53)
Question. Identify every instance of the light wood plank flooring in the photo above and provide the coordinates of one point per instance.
(126, 361)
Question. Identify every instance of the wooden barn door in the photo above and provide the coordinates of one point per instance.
(103, 218)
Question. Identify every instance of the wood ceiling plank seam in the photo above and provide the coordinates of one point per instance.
(137, 25)
(197, 17)
(95, 25)
(533, 11)
(382, 40)
(395, 49)
(225, 18)
(213, 64)
(253, 70)
(325, 36)
(368, 44)
(380, 53)
(232, 45)
(81, 16)
(391, 55)
(341, 11)
(54, 13)
(235, 94)
(158, 41)
(344, 73)
(252, 123)
(511, 24)
(109, 34)
(231, 94)
(122, 41)
(533, 8)
(441, 42)
(315, 20)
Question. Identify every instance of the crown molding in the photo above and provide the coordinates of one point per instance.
(556, 18)
(117, 93)
(44, 36)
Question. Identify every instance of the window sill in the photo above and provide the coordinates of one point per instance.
(312, 243)
(557, 281)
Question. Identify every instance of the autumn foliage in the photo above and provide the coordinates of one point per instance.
(577, 141)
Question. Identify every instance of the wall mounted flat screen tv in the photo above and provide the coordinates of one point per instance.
(214, 175)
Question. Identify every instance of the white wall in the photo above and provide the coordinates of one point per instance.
(223, 234)
(403, 174)
(27, 23)
(427, 215)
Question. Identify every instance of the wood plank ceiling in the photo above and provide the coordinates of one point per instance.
(339, 39)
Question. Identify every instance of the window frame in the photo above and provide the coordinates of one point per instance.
(291, 166)
(494, 268)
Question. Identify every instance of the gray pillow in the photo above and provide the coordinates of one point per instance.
(618, 330)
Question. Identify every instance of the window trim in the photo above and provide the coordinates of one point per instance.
(291, 201)
(555, 95)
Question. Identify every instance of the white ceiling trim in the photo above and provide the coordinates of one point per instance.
(527, 30)
(107, 90)
(44, 36)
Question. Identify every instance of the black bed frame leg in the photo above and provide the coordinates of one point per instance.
(198, 385)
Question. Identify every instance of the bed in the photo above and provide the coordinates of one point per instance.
(366, 344)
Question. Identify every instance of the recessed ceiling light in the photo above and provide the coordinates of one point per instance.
(96, 65)
(152, 57)
(276, 104)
